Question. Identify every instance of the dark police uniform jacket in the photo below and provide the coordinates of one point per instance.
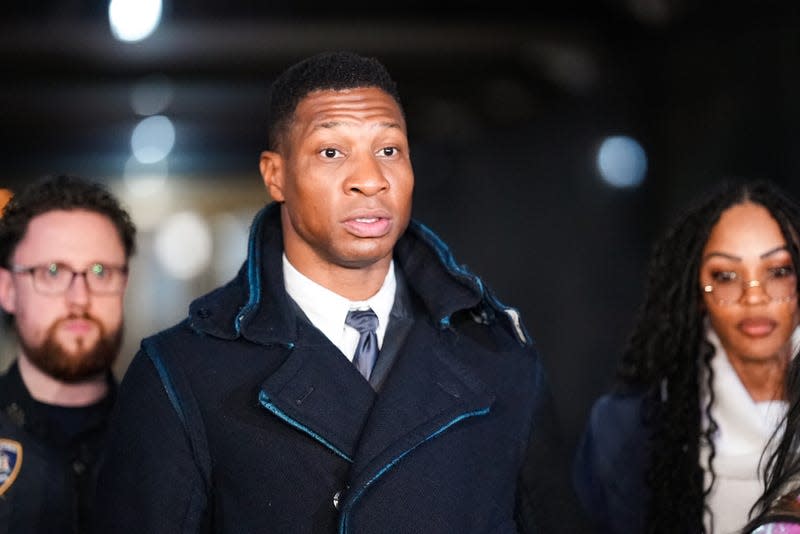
(246, 418)
(48, 465)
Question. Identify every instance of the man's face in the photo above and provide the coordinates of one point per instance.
(345, 178)
(77, 334)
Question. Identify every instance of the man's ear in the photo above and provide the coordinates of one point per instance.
(271, 166)
(8, 293)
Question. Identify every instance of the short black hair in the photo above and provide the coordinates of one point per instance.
(331, 70)
(60, 192)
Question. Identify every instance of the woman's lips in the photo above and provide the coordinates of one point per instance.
(757, 327)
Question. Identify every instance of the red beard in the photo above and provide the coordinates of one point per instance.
(52, 358)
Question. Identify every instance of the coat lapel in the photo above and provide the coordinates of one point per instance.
(426, 392)
(318, 391)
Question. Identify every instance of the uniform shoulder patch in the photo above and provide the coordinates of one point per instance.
(10, 463)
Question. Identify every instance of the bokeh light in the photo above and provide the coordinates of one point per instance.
(5, 196)
(153, 139)
(145, 179)
(622, 161)
(183, 245)
(133, 20)
(151, 95)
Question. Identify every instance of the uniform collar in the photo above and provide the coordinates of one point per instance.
(19, 407)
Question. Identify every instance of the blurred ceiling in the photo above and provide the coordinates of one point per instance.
(461, 67)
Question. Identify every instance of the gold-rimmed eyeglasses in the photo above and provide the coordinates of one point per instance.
(55, 278)
(727, 287)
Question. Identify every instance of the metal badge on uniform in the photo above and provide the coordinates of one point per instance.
(10, 463)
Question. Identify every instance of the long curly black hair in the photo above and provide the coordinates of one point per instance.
(779, 502)
(668, 357)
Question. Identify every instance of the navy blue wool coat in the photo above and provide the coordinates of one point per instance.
(245, 418)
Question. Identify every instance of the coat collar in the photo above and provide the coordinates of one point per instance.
(254, 304)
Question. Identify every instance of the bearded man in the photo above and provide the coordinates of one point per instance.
(65, 243)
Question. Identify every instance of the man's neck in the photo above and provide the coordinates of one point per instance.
(44, 388)
(354, 284)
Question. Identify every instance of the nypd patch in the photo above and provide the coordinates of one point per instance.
(10, 463)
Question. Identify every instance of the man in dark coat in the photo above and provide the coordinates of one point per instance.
(268, 410)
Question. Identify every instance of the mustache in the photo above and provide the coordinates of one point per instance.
(85, 360)
(85, 316)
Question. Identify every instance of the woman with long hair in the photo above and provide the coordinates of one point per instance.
(702, 386)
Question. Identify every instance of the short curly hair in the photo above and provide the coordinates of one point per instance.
(336, 70)
(60, 192)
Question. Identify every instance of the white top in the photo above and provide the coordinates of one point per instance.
(745, 427)
(327, 310)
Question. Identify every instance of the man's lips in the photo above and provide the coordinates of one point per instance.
(368, 224)
(757, 326)
(78, 326)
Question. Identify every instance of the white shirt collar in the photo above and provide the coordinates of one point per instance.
(327, 310)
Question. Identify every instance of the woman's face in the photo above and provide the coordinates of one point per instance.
(746, 253)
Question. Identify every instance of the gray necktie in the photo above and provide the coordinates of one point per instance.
(366, 322)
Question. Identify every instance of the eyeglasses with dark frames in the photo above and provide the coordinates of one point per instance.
(55, 278)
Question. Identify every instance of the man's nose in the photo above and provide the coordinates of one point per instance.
(78, 291)
(367, 176)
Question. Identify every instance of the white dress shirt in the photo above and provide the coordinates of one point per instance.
(327, 310)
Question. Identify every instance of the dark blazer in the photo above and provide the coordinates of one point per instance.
(245, 418)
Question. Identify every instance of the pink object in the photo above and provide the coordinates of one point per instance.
(778, 528)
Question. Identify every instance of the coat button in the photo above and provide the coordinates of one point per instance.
(336, 497)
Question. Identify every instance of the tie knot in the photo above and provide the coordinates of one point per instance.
(362, 320)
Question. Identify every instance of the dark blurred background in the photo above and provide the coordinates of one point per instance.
(508, 107)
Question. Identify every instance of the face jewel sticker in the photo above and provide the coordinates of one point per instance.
(10, 463)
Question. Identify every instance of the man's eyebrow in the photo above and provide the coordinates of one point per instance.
(334, 124)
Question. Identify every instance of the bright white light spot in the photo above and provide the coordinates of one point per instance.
(133, 20)
(152, 139)
(622, 161)
(183, 245)
(145, 179)
(151, 95)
